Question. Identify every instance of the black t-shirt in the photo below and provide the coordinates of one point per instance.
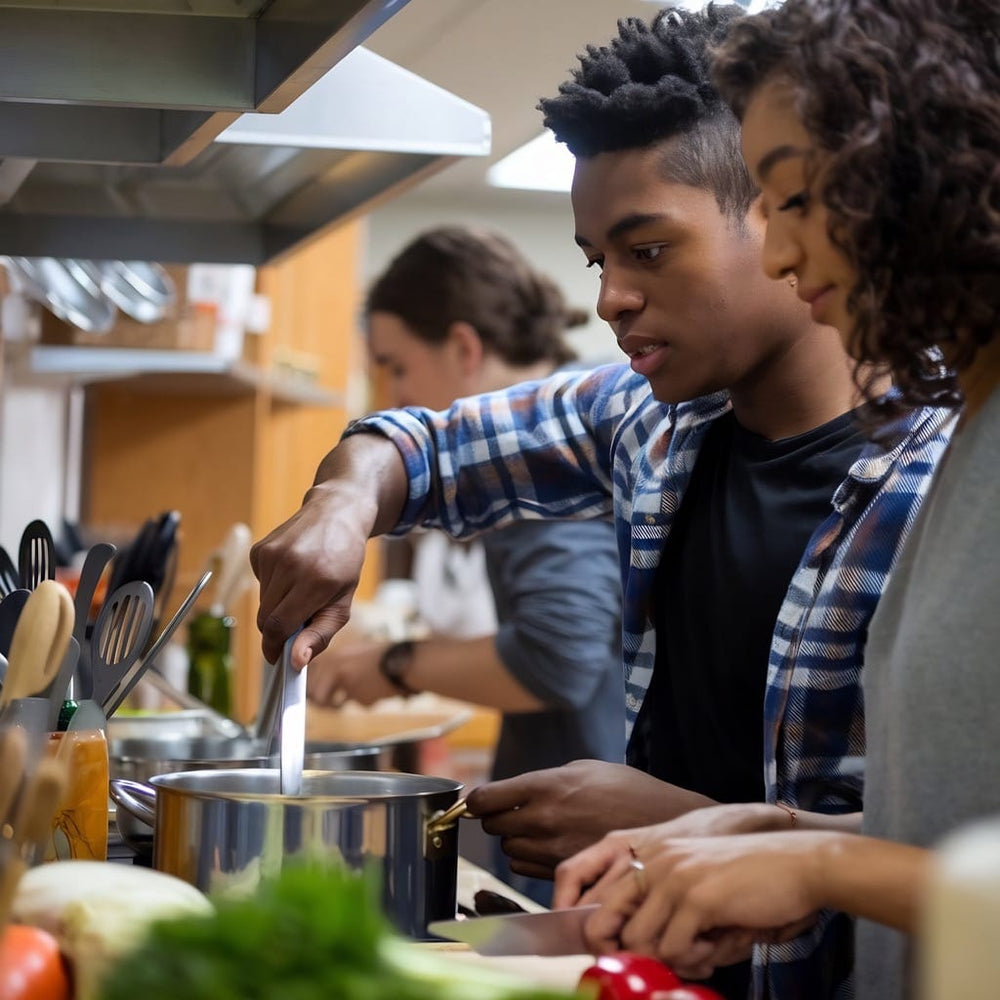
(740, 532)
(743, 525)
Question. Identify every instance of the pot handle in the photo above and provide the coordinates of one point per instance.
(136, 798)
(442, 820)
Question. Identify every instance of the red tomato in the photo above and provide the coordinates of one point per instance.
(31, 967)
(625, 976)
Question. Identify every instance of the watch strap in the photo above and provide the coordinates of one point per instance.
(395, 663)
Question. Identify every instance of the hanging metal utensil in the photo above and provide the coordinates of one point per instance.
(37, 555)
(119, 637)
(293, 722)
(141, 290)
(49, 281)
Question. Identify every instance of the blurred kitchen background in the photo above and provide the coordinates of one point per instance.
(213, 387)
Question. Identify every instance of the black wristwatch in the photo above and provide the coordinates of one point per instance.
(395, 663)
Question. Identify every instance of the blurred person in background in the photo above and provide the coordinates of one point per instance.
(460, 312)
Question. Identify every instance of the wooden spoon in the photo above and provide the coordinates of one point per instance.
(39, 802)
(40, 640)
(13, 755)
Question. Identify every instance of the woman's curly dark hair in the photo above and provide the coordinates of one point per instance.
(904, 96)
(458, 273)
(649, 84)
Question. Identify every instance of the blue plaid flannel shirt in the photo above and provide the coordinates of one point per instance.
(598, 444)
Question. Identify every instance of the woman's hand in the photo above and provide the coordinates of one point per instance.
(603, 863)
(698, 903)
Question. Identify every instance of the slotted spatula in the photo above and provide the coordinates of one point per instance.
(119, 637)
(36, 558)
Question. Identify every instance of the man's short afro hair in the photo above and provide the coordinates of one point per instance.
(648, 84)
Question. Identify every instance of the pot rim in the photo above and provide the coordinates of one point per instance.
(162, 782)
(211, 762)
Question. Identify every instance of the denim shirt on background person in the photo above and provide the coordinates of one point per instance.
(599, 445)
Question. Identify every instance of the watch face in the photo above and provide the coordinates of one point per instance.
(396, 662)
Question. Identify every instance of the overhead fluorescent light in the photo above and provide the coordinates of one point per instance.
(539, 165)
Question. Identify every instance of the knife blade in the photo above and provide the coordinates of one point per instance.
(551, 932)
(292, 747)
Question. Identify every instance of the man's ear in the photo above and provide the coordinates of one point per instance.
(467, 347)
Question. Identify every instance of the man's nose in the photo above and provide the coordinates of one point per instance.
(617, 297)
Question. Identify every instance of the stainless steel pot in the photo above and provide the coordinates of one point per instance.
(223, 831)
(141, 759)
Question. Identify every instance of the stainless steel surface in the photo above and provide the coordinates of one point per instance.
(224, 830)
(161, 725)
(49, 281)
(142, 759)
(172, 74)
(291, 748)
(141, 290)
(266, 724)
(214, 722)
(227, 726)
(268, 182)
(554, 932)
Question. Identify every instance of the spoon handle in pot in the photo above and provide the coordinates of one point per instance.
(293, 722)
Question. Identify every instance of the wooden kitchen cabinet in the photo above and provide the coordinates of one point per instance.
(239, 451)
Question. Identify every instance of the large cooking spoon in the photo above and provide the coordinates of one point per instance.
(36, 559)
(40, 641)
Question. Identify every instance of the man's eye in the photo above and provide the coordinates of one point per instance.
(597, 262)
(797, 201)
(649, 253)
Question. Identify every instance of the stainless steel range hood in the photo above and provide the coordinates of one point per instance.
(265, 184)
(155, 81)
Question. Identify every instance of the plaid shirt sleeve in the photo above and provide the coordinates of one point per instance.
(540, 449)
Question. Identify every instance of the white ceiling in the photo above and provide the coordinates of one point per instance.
(502, 55)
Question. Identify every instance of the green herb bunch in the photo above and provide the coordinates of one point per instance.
(310, 934)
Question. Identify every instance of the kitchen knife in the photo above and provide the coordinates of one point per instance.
(552, 932)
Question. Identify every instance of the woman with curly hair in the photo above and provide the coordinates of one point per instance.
(872, 128)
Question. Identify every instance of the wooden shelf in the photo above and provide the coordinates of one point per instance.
(194, 372)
